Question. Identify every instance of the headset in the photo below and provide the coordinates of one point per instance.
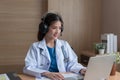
(44, 26)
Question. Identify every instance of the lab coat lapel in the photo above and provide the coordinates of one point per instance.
(59, 56)
(42, 45)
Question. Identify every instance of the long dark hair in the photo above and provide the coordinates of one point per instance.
(46, 21)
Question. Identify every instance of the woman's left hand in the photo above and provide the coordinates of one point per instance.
(83, 71)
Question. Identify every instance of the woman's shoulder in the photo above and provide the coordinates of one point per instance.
(60, 40)
(34, 44)
(63, 41)
(39, 44)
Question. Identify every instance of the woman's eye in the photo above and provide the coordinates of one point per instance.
(54, 28)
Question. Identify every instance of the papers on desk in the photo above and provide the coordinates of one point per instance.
(4, 77)
(9, 76)
(68, 76)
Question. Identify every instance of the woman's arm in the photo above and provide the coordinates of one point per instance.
(73, 65)
(31, 63)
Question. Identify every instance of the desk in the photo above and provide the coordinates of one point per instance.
(26, 77)
(115, 77)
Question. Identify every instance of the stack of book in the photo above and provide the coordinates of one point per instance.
(110, 40)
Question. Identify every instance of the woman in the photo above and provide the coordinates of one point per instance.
(51, 56)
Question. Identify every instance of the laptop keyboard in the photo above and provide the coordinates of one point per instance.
(72, 78)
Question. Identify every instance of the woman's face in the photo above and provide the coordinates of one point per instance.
(54, 30)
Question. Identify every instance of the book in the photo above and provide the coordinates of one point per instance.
(110, 40)
(115, 43)
(9, 76)
(106, 40)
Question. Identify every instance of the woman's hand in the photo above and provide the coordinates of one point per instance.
(83, 71)
(53, 75)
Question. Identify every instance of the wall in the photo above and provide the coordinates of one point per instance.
(82, 21)
(19, 21)
(111, 18)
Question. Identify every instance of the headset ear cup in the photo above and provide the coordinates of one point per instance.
(43, 28)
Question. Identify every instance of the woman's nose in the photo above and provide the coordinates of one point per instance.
(58, 30)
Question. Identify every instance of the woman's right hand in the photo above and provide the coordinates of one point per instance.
(53, 75)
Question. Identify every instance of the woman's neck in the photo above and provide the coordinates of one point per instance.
(50, 42)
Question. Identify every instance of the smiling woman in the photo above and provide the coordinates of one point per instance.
(47, 57)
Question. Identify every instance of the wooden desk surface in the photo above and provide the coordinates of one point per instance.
(115, 77)
(26, 77)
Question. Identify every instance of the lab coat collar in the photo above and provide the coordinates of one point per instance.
(42, 45)
(58, 44)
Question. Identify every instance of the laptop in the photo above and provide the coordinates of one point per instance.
(99, 68)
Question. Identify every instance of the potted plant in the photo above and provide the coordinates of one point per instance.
(117, 61)
(117, 57)
(100, 48)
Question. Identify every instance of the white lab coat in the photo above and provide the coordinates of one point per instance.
(38, 59)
